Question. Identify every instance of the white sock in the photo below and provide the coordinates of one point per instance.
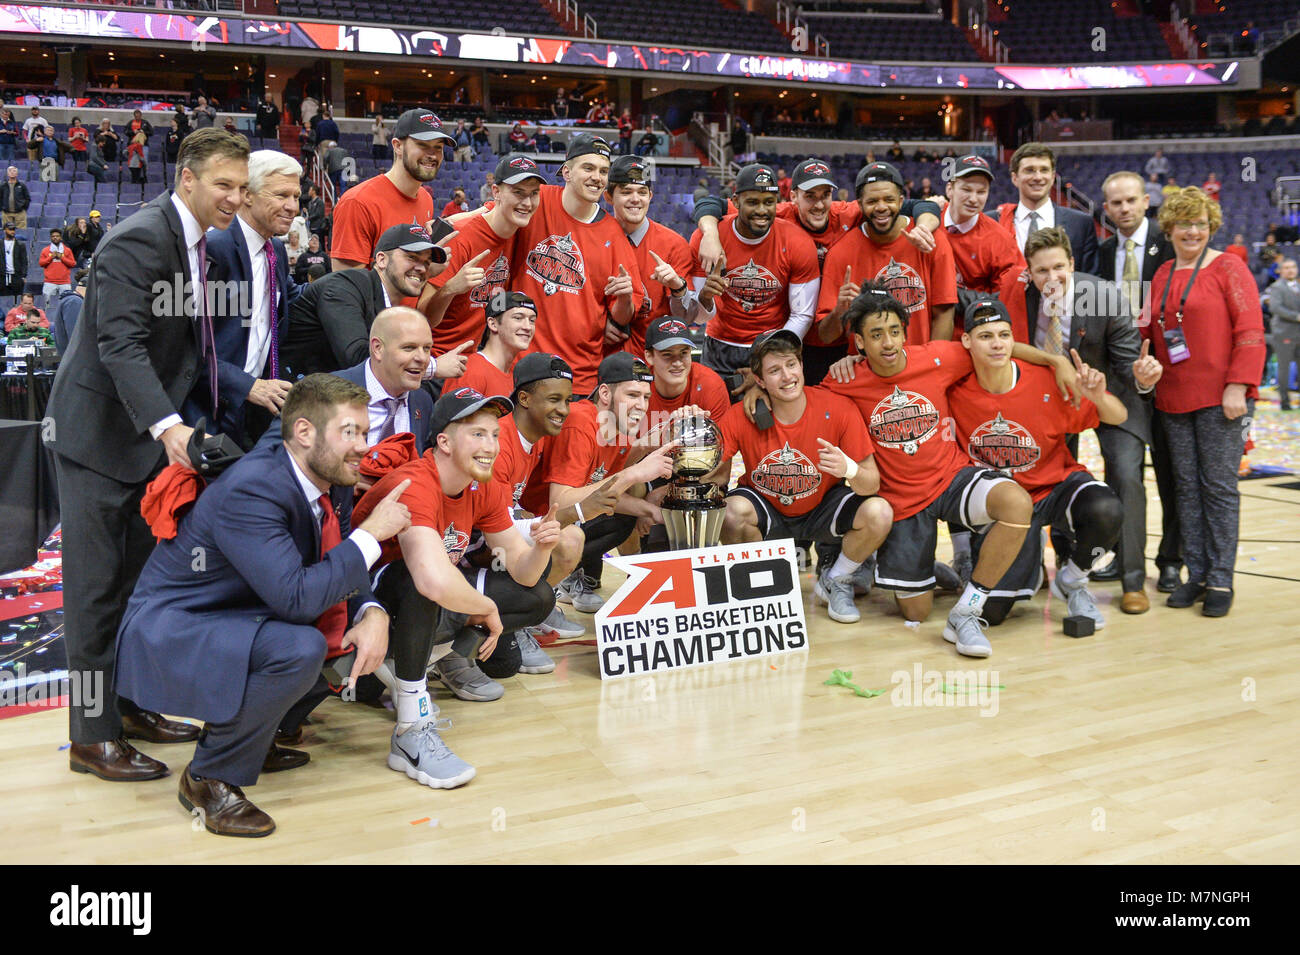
(412, 703)
(972, 600)
(960, 544)
(843, 566)
(1070, 577)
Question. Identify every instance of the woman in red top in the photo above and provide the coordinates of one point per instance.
(1210, 340)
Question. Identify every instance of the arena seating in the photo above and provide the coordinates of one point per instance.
(855, 38)
(1063, 31)
(519, 15)
(1223, 32)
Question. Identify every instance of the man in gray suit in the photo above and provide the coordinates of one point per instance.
(143, 344)
(1071, 310)
(1284, 305)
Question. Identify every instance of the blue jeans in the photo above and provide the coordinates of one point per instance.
(6, 151)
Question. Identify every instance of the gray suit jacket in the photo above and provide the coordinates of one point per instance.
(1284, 306)
(134, 356)
(1107, 339)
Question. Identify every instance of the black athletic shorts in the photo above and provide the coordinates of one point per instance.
(826, 523)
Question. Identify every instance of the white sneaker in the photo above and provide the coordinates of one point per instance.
(967, 631)
(423, 756)
(1078, 602)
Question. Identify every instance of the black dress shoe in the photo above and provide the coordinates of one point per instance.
(116, 761)
(1186, 595)
(223, 808)
(1170, 579)
(288, 737)
(1217, 603)
(155, 728)
(279, 759)
(1110, 572)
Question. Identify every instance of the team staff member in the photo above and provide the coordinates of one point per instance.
(663, 258)
(574, 261)
(1011, 416)
(769, 279)
(511, 326)
(1033, 173)
(826, 220)
(596, 442)
(451, 493)
(782, 493)
(478, 257)
(901, 391)
(115, 424)
(876, 252)
(366, 210)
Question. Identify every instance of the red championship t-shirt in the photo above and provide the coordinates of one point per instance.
(484, 506)
(917, 450)
(564, 265)
(465, 317)
(484, 377)
(514, 465)
(922, 282)
(762, 273)
(988, 260)
(672, 248)
(367, 209)
(704, 388)
(843, 218)
(1023, 431)
(575, 457)
(781, 462)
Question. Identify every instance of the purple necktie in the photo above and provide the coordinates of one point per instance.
(207, 340)
(274, 311)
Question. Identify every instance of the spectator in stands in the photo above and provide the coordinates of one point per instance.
(926, 189)
(182, 119)
(334, 158)
(909, 189)
(479, 133)
(327, 128)
(79, 141)
(1283, 298)
(1171, 187)
(921, 155)
(8, 135)
(1274, 271)
(293, 247)
(625, 127)
(57, 261)
(297, 227)
(311, 257)
(15, 262)
(34, 126)
(1212, 186)
(485, 190)
(895, 153)
(95, 164)
(66, 310)
(701, 189)
(229, 126)
(52, 151)
(14, 199)
(203, 116)
(268, 121)
(316, 272)
(172, 142)
(139, 124)
(519, 140)
(135, 158)
(1267, 250)
(1205, 310)
(464, 142)
(75, 237)
(16, 315)
(784, 182)
(1158, 165)
(729, 189)
(457, 204)
(1155, 195)
(1238, 248)
(95, 229)
(560, 105)
(314, 208)
(378, 139)
(309, 110)
(107, 140)
(648, 143)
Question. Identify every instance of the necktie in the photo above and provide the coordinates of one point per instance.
(953, 230)
(274, 310)
(1054, 336)
(1130, 277)
(333, 622)
(1034, 219)
(207, 341)
(389, 426)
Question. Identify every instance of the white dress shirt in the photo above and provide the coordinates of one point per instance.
(962, 227)
(1046, 220)
(259, 318)
(1044, 320)
(379, 411)
(1139, 238)
(9, 256)
(193, 232)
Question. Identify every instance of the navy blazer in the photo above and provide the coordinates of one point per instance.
(249, 551)
(1081, 230)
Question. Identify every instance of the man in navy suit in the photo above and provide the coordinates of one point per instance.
(231, 619)
(1033, 173)
(254, 311)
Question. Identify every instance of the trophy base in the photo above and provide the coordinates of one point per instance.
(693, 524)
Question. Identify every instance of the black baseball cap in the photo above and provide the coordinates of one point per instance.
(759, 348)
(630, 169)
(973, 165)
(500, 304)
(877, 172)
(620, 367)
(584, 144)
(515, 168)
(462, 403)
(984, 304)
(421, 124)
(812, 173)
(540, 366)
(667, 332)
(407, 236)
(756, 177)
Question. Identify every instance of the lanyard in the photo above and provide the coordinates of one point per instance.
(1186, 291)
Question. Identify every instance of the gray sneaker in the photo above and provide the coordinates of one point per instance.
(837, 593)
(967, 632)
(466, 680)
(963, 567)
(422, 755)
(532, 658)
(1079, 602)
(557, 622)
(579, 590)
(864, 577)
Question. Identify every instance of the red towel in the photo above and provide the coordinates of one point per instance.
(388, 455)
(168, 497)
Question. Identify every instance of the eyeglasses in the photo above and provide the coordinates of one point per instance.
(1202, 225)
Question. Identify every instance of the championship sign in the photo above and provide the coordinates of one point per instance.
(690, 608)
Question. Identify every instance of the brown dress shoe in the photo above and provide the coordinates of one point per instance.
(1135, 601)
(117, 761)
(279, 759)
(155, 728)
(225, 809)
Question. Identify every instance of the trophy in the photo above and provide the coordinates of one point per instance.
(693, 510)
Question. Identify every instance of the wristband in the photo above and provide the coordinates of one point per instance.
(680, 290)
(578, 507)
(851, 472)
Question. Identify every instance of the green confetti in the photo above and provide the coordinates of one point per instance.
(842, 678)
